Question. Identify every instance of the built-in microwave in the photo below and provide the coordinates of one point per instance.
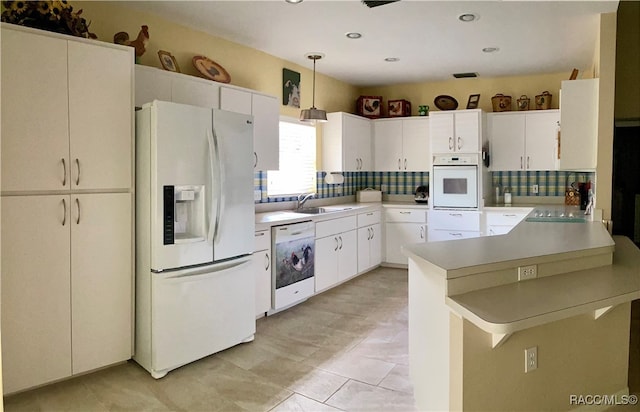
(455, 182)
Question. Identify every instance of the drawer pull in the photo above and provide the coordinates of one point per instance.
(260, 234)
(456, 234)
(405, 213)
(455, 214)
(512, 215)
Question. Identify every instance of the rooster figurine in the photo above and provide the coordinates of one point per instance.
(139, 44)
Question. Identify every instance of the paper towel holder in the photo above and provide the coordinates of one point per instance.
(334, 178)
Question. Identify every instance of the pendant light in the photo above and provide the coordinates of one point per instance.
(313, 115)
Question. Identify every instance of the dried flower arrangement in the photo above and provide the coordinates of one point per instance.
(55, 15)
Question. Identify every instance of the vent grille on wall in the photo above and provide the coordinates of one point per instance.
(372, 4)
(464, 75)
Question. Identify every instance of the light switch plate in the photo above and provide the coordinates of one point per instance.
(257, 195)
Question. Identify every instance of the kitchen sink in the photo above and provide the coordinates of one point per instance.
(319, 210)
(311, 210)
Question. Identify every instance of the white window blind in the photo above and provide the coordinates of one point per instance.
(297, 172)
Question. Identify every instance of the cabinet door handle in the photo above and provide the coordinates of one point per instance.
(267, 261)
(336, 248)
(528, 159)
(255, 162)
(399, 164)
(450, 143)
(340, 242)
(421, 232)
(78, 177)
(521, 163)
(64, 211)
(460, 142)
(373, 233)
(405, 164)
(78, 207)
(368, 233)
(64, 172)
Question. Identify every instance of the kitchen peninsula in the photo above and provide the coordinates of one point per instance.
(471, 320)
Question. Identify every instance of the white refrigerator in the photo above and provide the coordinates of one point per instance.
(195, 228)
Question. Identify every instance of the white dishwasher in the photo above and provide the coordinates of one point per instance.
(293, 250)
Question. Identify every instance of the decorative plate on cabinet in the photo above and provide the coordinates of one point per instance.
(444, 102)
(210, 69)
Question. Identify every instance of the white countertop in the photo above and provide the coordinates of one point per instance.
(284, 217)
(527, 240)
(516, 306)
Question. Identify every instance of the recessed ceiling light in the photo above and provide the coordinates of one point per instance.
(468, 17)
(353, 35)
(490, 49)
(391, 59)
(293, 1)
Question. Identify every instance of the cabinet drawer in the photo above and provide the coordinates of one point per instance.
(406, 215)
(505, 218)
(262, 240)
(437, 235)
(454, 220)
(369, 218)
(331, 227)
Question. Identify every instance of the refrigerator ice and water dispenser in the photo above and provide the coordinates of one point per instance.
(184, 214)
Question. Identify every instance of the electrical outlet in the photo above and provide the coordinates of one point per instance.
(383, 188)
(257, 195)
(530, 359)
(527, 272)
(534, 189)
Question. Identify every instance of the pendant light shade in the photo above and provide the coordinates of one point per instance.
(313, 114)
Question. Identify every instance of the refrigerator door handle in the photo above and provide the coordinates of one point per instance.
(212, 224)
(202, 273)
(220, 184)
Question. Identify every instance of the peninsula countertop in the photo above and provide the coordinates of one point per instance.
(526, 240)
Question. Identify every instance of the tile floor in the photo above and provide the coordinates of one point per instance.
(345, 349)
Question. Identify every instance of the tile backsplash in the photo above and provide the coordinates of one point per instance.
(550, 183)
(397, 183)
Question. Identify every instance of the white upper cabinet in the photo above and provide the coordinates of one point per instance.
(266, 131)
(579, 123)
(195, 92)
(266, 118)
(523, 140)
(72, 130)
(35, 154)
(100, 151)
(456, 131)
(402, 144)
(387, 142)
(346, 143)
(156, 84)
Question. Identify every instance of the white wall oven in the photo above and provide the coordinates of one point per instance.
(455, 183)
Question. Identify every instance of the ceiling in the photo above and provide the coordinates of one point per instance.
(427, 37)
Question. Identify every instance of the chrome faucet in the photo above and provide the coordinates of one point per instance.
(302, 198)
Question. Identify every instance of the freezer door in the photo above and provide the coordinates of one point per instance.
(181, 175)
(233, 210)
(198, 312)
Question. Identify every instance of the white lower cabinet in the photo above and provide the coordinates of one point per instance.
(453, 224)
(261, 268)
(66, 285)
(499, 223)
(403, 227)
(336, 256)
(369, 241)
